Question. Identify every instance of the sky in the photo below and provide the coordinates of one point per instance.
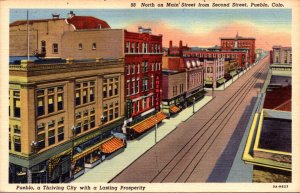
(195, 27)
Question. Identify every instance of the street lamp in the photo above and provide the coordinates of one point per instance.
(194, 105)
(155, 134)
(33, 146)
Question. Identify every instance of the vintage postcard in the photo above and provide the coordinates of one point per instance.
(150, 96)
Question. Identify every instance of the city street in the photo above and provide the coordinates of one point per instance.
(203, 148)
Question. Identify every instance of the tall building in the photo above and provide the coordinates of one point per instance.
(63, 117)
(238, 43)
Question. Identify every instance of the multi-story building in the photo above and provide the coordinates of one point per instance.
(282, 55)
(269, 143)
(239, 42)
(85, 37)
(183, 82)
(230, 68)
(214, 72)
(177, 50)
(62, 117)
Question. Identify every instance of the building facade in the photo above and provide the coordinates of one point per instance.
(63, 115)
(238, 42)
(282, 55)
(214, 72)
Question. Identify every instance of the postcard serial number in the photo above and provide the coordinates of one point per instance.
(280, 186)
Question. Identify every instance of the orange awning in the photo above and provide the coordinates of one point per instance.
(112, 145)
(148, 123)
(174, 109)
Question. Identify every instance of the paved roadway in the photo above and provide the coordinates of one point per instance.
(203, 148)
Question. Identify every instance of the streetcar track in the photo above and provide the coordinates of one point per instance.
(243, 87)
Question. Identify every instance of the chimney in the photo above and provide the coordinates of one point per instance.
(170, 44)
(71, 14)
(180, 44)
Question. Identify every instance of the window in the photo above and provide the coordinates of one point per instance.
(127, 47)
(132, 47)
(51, 137)
(55, 48)
(144, 103)
(17, 108)
(133, 68)
(84, 96)
(92, 95)
(116, 86)
(137, 47)
(128, 69)
(60, 121)
(85, 125)
(132, 86)
(60, 103)
(92, 122)
(60, 134)
(78, 128)
(145, 66)
(104, 88)
(78, 115)
(104, 117)
(77, 97)
(153, 66)
(111, 116)
(110, 89)
(40, 108)
(80, 46)
(145, 84)
(41, 127)
(138, 68)
(17, 129)
(17, 143)
(43, 46)
(137, 106)
(152, 82)
(116, 112)
(127, 88)
(137, 86)
(50, 104)
(41, 141)
(94, 46)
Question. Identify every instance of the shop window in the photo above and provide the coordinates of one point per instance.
(60, 133)
(51, 137)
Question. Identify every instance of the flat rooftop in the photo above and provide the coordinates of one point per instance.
(276, 135)
(280, 80)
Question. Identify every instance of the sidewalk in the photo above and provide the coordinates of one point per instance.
(107, 170)
(229, 82)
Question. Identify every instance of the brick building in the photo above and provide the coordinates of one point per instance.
(63, 116)
(239, 42)
(183, 82)
(214, 72)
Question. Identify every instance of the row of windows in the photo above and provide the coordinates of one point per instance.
(142, 104)
(135, 68)
(110, 111)
(195, 78)
(93, 46)
(16, 104)
(136, 47)
(53, 97)
(218, 55)
(85, 120)
(17, 143)
(84, 92)
(133, 86)
(175, 93)
(110, 87)
(54, 47)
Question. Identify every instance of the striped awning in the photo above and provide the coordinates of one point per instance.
(149, 123)
(174, 109)
(112, 145)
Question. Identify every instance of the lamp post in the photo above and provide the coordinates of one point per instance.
(194, 105)
(33, 146)
(155, 134)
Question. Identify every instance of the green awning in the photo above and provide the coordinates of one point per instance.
(232, 73)
(208, 82)
(221, 80)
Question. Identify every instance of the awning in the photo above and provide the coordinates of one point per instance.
(89, 150)
(112, 145)
(221, 80)
(232, 73)
(208, 82)
(149, 123)
(174, 109)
